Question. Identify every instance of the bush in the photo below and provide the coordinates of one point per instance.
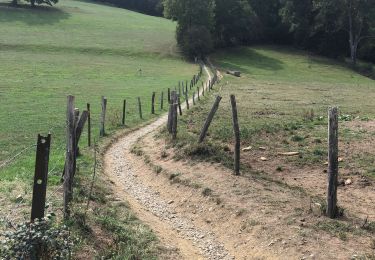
(40, 239)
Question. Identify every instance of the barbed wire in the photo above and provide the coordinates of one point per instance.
(11, 159)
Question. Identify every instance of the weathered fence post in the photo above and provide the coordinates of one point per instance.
(332, 162)
(69, 161)
(187, 101)
(174, 118)
(169, 95)
(209, 85)
(40, 177)
(153, 103)
(123, 112)
(198, 93)
(162, 100)
(203, 90)
(88, 125)
(194, 98)
(179, 105)
(79, 128)
(140, 108)
(170, 112)
(179, 90)
(102, 117)
(209, 119)
(237, 137)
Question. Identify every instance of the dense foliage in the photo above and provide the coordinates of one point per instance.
(329, 27)
(37, 240)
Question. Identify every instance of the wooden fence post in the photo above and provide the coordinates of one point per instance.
(209, 119)
(194, 98)
(179, 105)
(140, 108)
(88, 125)
(169, 95)
(187, 101)
(153, 103)
(237, 136)
(69, 161)
(102, 117)
(198, 93)
(332, 163)
(124, 112)
(162, 101)
(170, 112)
(203, 90)
(76, 118)
(174, 118)
(40, 177)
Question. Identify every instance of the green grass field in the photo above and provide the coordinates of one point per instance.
(283, 97)
(87, 50)
(84, 49)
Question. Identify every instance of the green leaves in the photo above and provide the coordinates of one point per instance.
(41, 239)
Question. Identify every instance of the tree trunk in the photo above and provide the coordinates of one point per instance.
(14, 2)
(32, 2)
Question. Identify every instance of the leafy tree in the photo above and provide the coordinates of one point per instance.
(195, 20)
(235, 23)
(356, 17)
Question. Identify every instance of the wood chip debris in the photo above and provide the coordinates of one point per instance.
(262, 148)
(247, 149)
(289, 154)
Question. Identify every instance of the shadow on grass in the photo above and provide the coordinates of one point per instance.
(243, 59)
(37, 15)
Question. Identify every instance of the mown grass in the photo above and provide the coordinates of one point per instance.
(84, 49)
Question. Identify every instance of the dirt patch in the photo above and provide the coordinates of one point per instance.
(250, 216)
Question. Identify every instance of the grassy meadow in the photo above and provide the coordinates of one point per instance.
(87, 50)
(84, 49)
(283, 96)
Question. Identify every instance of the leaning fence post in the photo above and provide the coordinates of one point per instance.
(40, 177)
(236, 130)
(123, 112)
(153, 103)
(88, 125)
(102, 117)
(140, 108)
(69, 161)
(209, 119)
(332, 162)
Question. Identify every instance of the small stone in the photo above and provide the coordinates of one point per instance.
(171, 201)
(263, 159)
(262, 148)
(247, 149)
(348, 182)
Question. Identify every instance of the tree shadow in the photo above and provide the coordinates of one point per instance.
(37, 15)
(245, 58)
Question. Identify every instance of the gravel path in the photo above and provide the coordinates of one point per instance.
(150, 200)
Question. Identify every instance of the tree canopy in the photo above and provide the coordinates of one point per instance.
(329, 27)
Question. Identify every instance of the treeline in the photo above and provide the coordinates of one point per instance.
(330, 27)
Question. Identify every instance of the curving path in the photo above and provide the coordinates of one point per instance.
(171, 228)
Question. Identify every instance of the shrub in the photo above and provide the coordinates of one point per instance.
(40, 239)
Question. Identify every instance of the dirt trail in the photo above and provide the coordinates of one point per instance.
(150, 208)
